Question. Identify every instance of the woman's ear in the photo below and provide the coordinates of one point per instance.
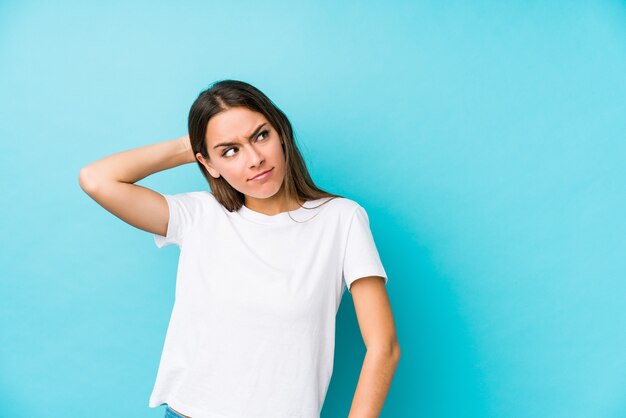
(207, 165)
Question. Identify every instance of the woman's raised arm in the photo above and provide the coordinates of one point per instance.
(109, 181)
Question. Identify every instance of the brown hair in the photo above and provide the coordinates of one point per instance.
(225, 94)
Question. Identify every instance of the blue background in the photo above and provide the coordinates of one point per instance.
(485, 140)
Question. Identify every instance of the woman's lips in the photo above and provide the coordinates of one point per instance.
(263, 175)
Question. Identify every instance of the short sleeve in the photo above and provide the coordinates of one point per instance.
(180, 217)
(361, 255)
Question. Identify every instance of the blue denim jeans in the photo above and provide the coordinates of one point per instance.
(171, 414)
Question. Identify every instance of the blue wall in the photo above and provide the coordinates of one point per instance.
(486, 141)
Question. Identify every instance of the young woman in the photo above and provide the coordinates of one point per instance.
(265, 258)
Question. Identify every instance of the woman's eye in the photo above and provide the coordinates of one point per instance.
(266, 132)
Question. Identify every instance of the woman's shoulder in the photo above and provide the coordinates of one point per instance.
(209, 199)
(196, 199)
(341, 205)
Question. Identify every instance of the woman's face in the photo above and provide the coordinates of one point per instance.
(242, 144)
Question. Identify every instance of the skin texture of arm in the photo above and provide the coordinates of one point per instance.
(376, 323)
(109, 181)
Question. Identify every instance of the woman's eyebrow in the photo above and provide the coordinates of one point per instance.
(225, 144)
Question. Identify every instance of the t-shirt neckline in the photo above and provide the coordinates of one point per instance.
(291, 217)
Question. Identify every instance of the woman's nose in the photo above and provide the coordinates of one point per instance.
(256, 158)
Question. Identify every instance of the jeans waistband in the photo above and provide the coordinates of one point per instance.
(169, 413)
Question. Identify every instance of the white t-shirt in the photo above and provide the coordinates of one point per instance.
(252, 330)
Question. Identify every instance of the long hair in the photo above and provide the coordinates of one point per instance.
(225, 94)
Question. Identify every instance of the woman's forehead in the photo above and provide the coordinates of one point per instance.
(234, 124)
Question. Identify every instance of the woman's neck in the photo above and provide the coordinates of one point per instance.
(272, 205)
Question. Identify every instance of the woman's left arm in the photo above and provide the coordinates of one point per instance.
(373, 311)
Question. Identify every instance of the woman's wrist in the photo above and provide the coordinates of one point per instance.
(188, 151)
